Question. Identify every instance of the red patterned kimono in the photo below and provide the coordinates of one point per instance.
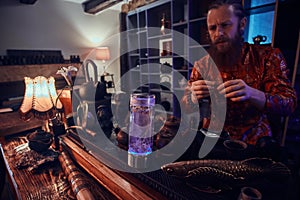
(261, 67)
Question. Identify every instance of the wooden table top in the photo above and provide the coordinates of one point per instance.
(46, 182)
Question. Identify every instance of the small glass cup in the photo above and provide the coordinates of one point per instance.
(250, 193)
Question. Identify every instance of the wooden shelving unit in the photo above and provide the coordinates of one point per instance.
(157, 57)
(185, 40)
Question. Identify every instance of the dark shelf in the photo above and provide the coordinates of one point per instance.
(160, 36)
(198, 19)
(183, 23)
(200, 46)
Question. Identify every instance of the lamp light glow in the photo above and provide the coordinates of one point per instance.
(40, 99)
(102, 53)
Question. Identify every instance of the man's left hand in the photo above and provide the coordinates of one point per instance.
(237, 90)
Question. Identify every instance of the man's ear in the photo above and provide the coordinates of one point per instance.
(243, 23)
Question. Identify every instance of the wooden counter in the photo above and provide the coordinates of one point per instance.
(46, 182)
(106, 183)
(11, 123)
(121, 185)
(158, 185)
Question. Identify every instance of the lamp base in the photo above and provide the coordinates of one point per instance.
(57, 127)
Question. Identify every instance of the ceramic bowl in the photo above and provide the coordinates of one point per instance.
(235, 145)
(39, 140)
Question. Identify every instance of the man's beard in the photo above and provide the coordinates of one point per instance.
(229, 56)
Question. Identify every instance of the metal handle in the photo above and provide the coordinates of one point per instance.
(86, 70)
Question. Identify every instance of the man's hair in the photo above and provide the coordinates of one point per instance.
(237, 5)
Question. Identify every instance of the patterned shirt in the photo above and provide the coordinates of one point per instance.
(261, 67)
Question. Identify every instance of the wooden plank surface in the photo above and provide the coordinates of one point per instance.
(46, 182)
(121, 186)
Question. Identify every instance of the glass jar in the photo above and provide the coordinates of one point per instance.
(141, 129)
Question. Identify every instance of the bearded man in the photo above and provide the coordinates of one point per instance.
(252, 78)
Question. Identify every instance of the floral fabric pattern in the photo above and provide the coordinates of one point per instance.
(261, 67)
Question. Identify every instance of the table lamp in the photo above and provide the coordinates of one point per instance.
(42, 102)
(102, 53)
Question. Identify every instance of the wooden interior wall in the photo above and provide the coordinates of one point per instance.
(12, 77)
(13, 73)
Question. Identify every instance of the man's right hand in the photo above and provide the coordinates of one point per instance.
(200, 89)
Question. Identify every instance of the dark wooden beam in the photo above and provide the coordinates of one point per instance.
(95, 6)
(28, 1)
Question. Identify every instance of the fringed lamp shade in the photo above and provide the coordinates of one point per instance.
(40, 99)
(102, 53)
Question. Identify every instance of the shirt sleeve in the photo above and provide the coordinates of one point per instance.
(281, 97)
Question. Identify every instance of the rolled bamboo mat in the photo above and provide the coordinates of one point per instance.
(76, 179)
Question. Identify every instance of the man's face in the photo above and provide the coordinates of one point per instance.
(223, 27)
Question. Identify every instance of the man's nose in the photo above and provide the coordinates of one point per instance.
(219, 31)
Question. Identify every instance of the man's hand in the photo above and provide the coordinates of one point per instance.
(238, 90)
(200, 89)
